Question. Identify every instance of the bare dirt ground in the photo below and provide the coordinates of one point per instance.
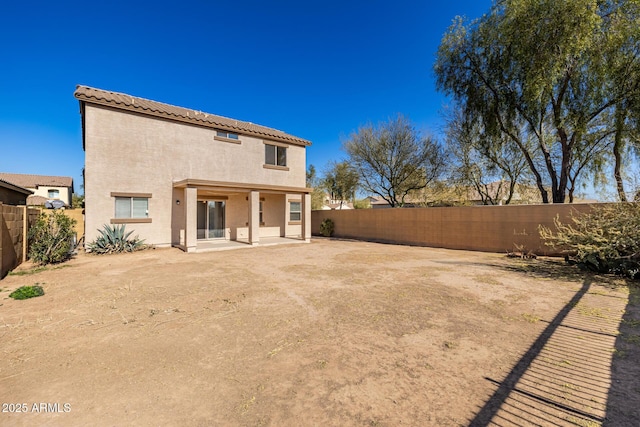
(328, 333)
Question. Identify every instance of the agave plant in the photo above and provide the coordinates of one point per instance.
(114, 239)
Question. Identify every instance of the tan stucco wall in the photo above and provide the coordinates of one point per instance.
(127, 152)
(65, 193)
(478, 228)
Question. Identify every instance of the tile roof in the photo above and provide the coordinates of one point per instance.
(34, 181)
(34, 200)
(12, 186)
(153, 108)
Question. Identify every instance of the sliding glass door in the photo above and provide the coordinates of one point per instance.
(211, 219)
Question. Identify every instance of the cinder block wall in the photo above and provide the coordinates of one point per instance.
(476, 228)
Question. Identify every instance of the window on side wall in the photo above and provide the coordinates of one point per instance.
(295, 211)
(223, 135)
(275, 155)
(261, 213)
(131, 208)
(53, 194)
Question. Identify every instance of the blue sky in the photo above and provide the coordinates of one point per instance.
(317, 70)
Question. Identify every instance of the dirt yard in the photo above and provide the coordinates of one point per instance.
(331, 333)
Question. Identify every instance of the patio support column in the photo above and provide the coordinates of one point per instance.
(254, 217)
(305, 208)
(190, 219)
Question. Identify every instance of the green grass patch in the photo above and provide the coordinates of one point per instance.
(36, 270)
(26, 292)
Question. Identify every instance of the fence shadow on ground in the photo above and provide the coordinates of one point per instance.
(623, 406)
(579, 371)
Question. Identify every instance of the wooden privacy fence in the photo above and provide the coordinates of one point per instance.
(15, 222)
(14, 230)
(475, 228)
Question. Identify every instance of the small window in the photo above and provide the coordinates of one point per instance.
(225, 134)
(275, 155)
(261, 217)
(295, 213)
(132, 207)
(54, 194)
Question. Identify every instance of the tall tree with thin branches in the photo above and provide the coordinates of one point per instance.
(393, 159)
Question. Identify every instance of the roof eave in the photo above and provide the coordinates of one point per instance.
(83, 99)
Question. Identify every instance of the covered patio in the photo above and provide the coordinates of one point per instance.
(211, 215)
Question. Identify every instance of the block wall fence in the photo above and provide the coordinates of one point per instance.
(475, 228)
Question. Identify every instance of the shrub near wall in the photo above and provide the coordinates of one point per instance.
(478, 228)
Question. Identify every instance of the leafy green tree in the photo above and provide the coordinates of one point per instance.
(493, 170)
(362, 204)
(341, 181)
(561, 68)
(77, 201)
(392, 159)
(317, 195)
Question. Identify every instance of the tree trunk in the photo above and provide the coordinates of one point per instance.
(617, 154)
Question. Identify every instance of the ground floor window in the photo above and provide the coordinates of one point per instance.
(295, 211)
(261, 214)
(132, 207)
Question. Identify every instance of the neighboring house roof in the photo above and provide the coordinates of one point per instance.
(153, 108)
(11, 186)
(34, 200)
(34, 181)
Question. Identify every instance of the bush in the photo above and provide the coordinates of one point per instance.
(113, 239)
(51, 238)
(25, 292)
(326, 227)
(607, 240)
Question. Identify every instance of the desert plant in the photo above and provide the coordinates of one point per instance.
(25, 292)
(114, 239)
(51, 238)
(606, 240)
(326, 227)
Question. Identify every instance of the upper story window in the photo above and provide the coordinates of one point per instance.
(275, 155)
(223, 135)
(53, 194)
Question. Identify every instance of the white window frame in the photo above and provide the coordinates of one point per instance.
(137, 210)
(297, 211)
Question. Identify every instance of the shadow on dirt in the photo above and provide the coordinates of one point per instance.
(583, 368)
(498, 404)
(623, 405)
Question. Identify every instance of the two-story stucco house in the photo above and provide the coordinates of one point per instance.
(180, 177)
(44, 187)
